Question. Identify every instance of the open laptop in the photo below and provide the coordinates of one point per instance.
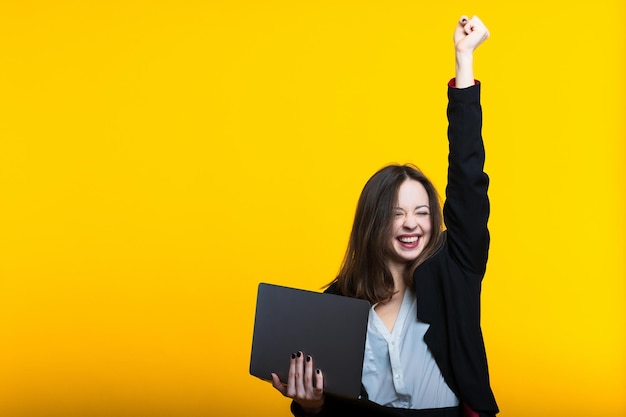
(330, 328)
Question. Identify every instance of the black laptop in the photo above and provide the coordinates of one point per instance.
(331, 328)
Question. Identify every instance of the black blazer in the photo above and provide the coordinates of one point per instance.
(448, 284)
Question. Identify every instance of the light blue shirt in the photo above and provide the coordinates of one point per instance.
(398, 368)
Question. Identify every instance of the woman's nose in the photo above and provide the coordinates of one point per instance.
(410, 222)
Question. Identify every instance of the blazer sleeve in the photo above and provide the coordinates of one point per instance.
(466, 207)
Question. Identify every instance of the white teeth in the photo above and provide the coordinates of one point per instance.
(407, 239)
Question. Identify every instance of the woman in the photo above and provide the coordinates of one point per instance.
(425, 354)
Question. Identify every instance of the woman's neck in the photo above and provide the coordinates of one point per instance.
(398, 272)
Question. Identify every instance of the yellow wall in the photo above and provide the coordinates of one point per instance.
(160, 158)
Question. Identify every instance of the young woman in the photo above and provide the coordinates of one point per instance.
(425, 354)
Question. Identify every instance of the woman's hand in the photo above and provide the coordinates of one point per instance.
(468, 35)
(300, 383)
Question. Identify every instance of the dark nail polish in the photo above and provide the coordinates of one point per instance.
(317, 371)
(299, 354)
(293, 356)
(308, 358)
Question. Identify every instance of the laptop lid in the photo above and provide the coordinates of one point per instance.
(331, 328)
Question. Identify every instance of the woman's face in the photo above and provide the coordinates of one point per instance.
(411, 223)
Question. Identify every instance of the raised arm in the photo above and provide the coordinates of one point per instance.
(466, 209)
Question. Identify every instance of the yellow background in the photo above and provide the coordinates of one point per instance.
(160, 158)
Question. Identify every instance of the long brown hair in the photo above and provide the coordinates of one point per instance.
(364, 273)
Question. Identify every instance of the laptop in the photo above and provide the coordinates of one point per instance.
(331, 328)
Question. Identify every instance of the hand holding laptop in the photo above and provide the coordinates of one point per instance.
(320, 332)
(305, 384)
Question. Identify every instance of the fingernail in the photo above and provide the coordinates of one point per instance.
(308, 358)
(293, 356)
(299, 354)
(318, 371)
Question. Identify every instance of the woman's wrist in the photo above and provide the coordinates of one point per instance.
(464, 69)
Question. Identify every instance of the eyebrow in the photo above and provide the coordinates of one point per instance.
(417, 207)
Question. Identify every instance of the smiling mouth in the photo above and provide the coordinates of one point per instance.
(409, 240)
